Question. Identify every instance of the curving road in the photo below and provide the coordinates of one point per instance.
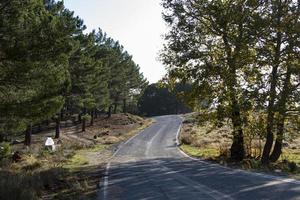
(150, 166)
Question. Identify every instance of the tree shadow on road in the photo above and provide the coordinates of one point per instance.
(170, 178)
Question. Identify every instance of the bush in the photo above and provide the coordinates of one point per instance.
(86, 117)
(186, 138)
(17, 186)
(292, 166)
(5, 150)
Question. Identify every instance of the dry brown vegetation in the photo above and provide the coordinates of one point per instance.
(74, 170)
(201, 138)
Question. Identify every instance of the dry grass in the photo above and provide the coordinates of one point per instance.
(205, 136)
(74, 170)
(200, 138)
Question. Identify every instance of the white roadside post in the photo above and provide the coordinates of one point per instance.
(50, 143)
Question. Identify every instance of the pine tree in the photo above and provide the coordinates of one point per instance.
(34, 65)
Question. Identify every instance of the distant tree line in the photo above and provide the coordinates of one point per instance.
(158, 99)
(50, 69)
(243, 60)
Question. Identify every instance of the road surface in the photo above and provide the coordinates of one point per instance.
(150, 166)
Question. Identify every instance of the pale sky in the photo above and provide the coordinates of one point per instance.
(137, 24)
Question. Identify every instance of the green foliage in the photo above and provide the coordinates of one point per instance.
(34, 69)
(49, 67)
(86, 117)
(158, 100)
(241, 59)
(5, 150)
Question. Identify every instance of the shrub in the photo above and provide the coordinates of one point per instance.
(186, 138)
(292, 166)
(18, 186)
(5, 150)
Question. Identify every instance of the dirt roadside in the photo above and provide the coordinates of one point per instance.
(74, 170)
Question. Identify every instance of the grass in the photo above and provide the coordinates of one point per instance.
(200, 138)
(76, 161)
(84, 157)
(292, 156)
(71, 172)
(207, 153)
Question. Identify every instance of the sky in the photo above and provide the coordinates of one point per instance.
(136, 24)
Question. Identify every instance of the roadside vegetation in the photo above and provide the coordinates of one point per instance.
(51, 70)
(59, 81)
(203, 139)
(242, 61)
(157, 99)
(74, 170)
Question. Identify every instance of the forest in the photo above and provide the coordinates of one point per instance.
(77, 112)
(158, 99)
(53, 70)
(242, 61)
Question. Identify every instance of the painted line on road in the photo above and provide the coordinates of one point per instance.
(152, 139)
(258, 174)
(107, 168)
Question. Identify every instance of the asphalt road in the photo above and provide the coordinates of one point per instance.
(150, 166)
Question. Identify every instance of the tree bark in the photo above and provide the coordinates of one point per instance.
(237, 150)
(274, 79)
(92, 118)
(115, 108)
(61, 114)
(57, 128)
(124, 106)
(79, 118)
(84, 120)
(278, 143)
(28, 134)
(282, 115)
(109, 112)
(96, 113)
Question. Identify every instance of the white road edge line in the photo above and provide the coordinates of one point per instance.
(106, 174)
(284, 180)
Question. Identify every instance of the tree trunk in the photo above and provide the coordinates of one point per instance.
(92, 118)
(28, 134)
(61, 114)
(124, 106)
(83, 125)
(278, 144)
(96, 113)
(270, 137)
(57, 128)
(39, 128)
(115, 108)
(282, 115)
(271, 110)
(84, 120)
(109, 112)
(237, 150)
(79, 118)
